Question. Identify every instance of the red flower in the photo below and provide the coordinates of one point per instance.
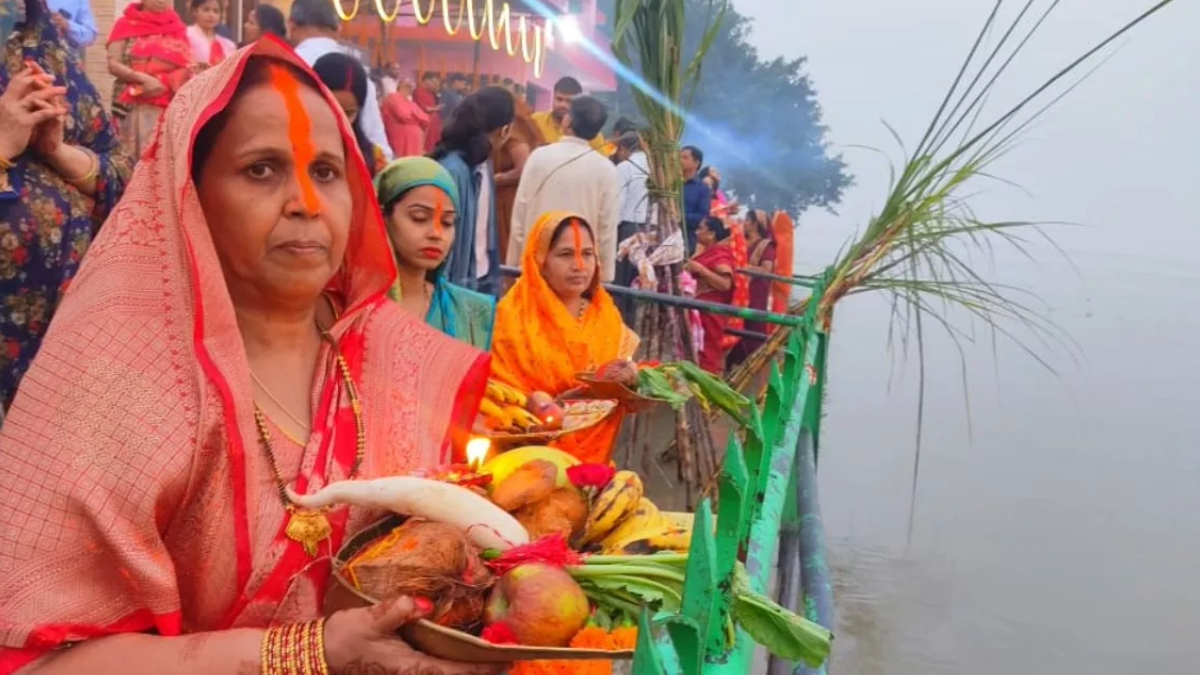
(499, 634)
(590, 475)
(642, 365)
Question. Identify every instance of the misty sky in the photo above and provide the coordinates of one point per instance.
(1120, 154)
(1034, 517)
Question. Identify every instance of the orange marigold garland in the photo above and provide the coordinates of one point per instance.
(591, 637)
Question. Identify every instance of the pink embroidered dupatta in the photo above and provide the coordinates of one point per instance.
(136, 495)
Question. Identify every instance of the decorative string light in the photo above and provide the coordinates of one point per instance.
(387, 18)
(337, 7)
(488, 22)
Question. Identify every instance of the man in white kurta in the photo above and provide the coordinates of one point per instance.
(570, 175)
(313, 29)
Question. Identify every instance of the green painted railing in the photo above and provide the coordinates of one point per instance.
(767, 511)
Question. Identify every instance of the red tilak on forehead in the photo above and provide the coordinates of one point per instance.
(299, 133)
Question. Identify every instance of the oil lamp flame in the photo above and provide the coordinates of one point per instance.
(477, 452)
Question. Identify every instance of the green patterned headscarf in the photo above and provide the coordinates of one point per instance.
(404, 174)
(460, 313)
(407, 173)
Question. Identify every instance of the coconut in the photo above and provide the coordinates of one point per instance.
(428, 560)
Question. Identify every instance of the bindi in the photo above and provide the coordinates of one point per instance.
(299, 133)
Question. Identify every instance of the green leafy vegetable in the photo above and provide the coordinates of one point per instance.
(653, 383)
(678, 381)
(781, 632)
(621, 585)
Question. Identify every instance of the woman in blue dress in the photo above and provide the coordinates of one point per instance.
(421, 211)
(61, 173)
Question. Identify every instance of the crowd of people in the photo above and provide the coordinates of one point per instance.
(288, 291)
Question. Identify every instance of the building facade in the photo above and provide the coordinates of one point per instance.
(428, 35)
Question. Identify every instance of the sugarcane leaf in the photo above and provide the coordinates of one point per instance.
(626, 11)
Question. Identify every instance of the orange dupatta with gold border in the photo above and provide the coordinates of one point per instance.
(783, 231)
(537, 345)
(136, 495)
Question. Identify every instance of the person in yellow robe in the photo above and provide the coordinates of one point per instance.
(550, 122)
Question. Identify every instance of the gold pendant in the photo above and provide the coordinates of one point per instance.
(308, 528)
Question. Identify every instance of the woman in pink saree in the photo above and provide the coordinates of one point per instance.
(238, 338)
(404, 122)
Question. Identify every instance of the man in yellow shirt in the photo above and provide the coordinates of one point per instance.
(550, 122)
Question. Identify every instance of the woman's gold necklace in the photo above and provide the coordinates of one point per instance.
(306, 429)
(310, 527)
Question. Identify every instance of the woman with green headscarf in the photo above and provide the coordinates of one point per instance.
(420, 206)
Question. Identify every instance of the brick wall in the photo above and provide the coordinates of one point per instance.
(97, 66)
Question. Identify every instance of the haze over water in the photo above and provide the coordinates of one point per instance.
(1060, 531)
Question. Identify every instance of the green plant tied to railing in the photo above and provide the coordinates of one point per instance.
(712, 623)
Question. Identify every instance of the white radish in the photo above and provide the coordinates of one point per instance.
(485, 524)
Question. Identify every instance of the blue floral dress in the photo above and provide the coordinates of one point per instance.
(46, 224)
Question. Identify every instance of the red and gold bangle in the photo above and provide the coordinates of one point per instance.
(320, 662)
(295, 649)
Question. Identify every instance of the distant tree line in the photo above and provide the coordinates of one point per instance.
(757, 121)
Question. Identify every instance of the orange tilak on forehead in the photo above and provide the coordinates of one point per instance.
(299, 133)
(577, 231)
(439, 207)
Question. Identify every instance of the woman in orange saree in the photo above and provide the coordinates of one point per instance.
(783, 231)
(558, 321)
(241, 279)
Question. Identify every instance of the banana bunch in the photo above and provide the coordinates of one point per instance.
(623, 522)
(507, 418)
(503, 394)
(504, 408)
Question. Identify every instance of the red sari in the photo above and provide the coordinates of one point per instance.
(428, 100)
(139, 496)
(712, 354)
(158, 46)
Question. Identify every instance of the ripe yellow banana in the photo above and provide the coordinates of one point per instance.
(520, 418)
(646, 518)
(506, 395)
(492, 410)
(666, 539)
(616, 501)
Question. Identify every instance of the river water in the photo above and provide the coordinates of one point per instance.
(1057, 526)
